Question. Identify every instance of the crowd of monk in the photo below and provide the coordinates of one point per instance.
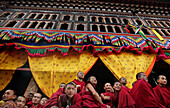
(80, 94)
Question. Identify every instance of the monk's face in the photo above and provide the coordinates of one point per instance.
(93, 80)
(162, 80)
(123, 81)
(117, 86)
(80, 75)
(62, 85)
(43, 101)
(30, 96)
(70, 90)
(143, 76)
(36, 98)
(20, 102)
(107, 87)
(8, 95)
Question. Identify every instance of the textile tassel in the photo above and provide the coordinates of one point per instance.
(126, 29)
(157, 34)
(29, 38)
(6, 37)
(37, 39)
(34, 37)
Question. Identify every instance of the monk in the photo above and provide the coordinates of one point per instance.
(20, 102)
(35, 103)
(106, 96)
(53, 99)
(142, 92)
(71, 99)
(162, 92)
(123, 81)
(79, 81)
(8, 97)
(121, 97)
(29, 97)
(90, 97)
(43, 101)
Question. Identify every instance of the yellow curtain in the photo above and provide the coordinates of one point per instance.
(10, 60)
(167, 61)
(127, 64)
(54, 68)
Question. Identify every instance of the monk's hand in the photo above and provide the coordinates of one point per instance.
(54, 107)
(108, 106)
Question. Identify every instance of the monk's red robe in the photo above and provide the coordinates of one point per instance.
(53, 99)
(108, 102)
(76, 102)
(88, 100)
(143, 94)
(38, 106)
(81, 83)
(162, 95)
(125, 100)
(126, 88)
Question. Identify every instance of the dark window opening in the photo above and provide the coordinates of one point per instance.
(167, 23)
(125, 21)
(64, 26)
(81, 18)
(39, 16)
(131, 30)
(107, 20)
(109, 28)
(5, 15)
(157, 23)
(33, 25)
(117, 29)
(145, 31)
(139, 22)
(66, 18)
(54, 17)
(25, 24)
(158, 31)
(32, 15)
(41, 25)
(49, 26)
(100, 19)
(80, 27)
(93, 19)
(166, 34)
(151, 23)
(102, 28)
(46, 16)
(114, 20)
(94, 28)
(11, 24)
(163, 24)
(20, 15)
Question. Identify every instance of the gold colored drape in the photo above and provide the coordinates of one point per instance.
(54, 68)
(127, 64)
(167, 61)
(10, 60)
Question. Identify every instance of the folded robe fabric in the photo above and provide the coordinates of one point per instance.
(54, 98)
(81, 83)
(143, 94)
(108, 102)
(162, 95)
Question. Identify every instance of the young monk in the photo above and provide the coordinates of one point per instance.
(123, 81)
(79, 82)
(20, 102)
(90, 98)
(106, 96)
(53, 99)
(121, 97)
(35, 103)
(71, 99)
(9, 97)
(43, 101)
(162, 92)
(142, 92)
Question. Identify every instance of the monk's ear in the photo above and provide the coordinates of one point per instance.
(158, 80)
(14, 96)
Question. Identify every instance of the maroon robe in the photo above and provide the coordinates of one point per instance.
(88, 100)
(125, 100)
(53, 99)
(108, 102)
(39, 106)
(81, 83)
(143, 94)
(126, 88)
(75, 103)
(162, 95)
